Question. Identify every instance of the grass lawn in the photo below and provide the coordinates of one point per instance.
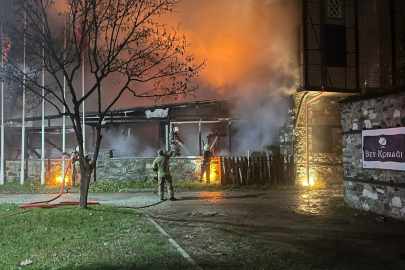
(97, 238)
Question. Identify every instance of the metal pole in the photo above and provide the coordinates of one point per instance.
(43, 115)
(203, 121)
(83, 127)
(23, 112)
(64, 111)
(2, 103)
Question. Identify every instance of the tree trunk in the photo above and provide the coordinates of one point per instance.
(84, 187)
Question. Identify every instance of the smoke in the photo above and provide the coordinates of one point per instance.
(130, 141)
(252, 51)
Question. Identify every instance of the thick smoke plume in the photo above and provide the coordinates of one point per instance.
(252, 51)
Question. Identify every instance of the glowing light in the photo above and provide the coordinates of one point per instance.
(311, 181)
(211, 197)
(59, 179)
(214, 173)
(305, 196)
(305, 183)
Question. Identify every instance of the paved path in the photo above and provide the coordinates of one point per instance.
(298, 220)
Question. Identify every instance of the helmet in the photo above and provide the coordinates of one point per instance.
(77, 149)
(160, 152)
(176, 129)
(207, 147)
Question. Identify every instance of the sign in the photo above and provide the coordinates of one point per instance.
(384, 149)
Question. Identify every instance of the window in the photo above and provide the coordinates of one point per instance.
(334, 9)
(321, 139)
(335, 45)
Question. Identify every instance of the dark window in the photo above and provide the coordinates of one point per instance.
(335, 45)
(321, 140)
(334, 8)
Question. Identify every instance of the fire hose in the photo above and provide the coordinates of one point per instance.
(40, 204)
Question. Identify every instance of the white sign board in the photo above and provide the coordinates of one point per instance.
(384, 149)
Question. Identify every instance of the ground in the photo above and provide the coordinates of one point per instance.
(270, 229)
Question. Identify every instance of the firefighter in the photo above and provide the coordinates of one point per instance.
(205, 163)
(77, 165)
(174, 140)
(161, 166)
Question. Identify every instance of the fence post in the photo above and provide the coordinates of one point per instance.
(254, 170)
(236, 170)
(220, 169)
(266, 173)
(229, 170)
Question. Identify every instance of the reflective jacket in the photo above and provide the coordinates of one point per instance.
(206, 157)
(161, 164)
(174, 138)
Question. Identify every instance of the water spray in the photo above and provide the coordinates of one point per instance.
(184, 148)
(212, 145)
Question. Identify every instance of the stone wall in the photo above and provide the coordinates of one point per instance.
(140, 168)
(112, 169)
(53, 169)
(325, 168)
(360, 192)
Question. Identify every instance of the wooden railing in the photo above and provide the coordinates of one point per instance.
(277, 170)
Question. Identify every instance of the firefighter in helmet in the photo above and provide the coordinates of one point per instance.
(77, 165)
(174, 141)
(206, 163)
(161, 166)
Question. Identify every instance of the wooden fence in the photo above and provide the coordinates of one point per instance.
(277, 170)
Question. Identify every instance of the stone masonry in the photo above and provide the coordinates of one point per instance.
(53, 169)
(140, 168)
(386, 111)
(111, 169)
(325, 168)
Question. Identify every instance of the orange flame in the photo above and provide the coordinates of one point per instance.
(59, 179)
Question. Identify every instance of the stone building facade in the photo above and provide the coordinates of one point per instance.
(324, 141)
(347, 48)
(140, 168)
(114, 169)
(53, 170)
(377, 190)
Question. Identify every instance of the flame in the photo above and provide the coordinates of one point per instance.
(213, 175)
(305, 183)
(311, 181)
(59, 179)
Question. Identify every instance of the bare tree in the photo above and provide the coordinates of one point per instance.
(118, 39)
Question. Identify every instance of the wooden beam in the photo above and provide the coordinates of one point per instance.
(33, 150)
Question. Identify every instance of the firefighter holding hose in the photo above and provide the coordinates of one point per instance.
(161, 166)
(174, 140)
(206, 163)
